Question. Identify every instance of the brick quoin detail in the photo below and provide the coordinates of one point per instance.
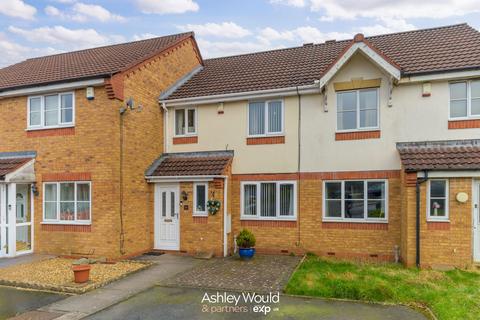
(51, 132)
(438, 225)
(200, 220)
(355, 225)
(67, 176)
(268, 223)
(266, 140)
(185, 140)
(361, 135)
(66, 228)
(464, 124)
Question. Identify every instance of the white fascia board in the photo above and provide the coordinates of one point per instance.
(52, 88)
(374, 56)
(153, 179)
(450, 174)
(281, 92)
(441, 76)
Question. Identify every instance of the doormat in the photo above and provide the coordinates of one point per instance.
(153, 253)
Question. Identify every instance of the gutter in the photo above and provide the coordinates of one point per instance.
(417, 221)
(52, 88)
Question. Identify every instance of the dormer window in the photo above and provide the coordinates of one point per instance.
(357, 110)
(51, 111)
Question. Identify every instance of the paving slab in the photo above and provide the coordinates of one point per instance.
(186, 303)
(27, 258)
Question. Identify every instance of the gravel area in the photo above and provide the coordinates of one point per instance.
(264, 273)
(56, 275)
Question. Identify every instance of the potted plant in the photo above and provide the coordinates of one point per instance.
(81, 271)
(246, 244)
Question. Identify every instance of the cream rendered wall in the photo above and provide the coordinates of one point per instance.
(229, 131)
(411, 118)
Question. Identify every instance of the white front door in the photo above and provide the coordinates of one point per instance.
(476, 221)
(167, 224)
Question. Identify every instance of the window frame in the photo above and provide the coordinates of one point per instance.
(277, 217)
(42, 125)
(357, 110)
(469, 101)
(185, 115)
(365, 219)
(195, 211)
(58, 202)
(431, 218)
(265, 106)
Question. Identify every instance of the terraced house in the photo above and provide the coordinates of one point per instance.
(365, 148)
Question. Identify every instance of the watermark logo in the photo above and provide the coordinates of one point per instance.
(244, 302)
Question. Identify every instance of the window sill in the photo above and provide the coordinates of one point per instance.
(67, 223)
(50, 128)
(267, 219)
(199, 215)
(185, 139)
(353, 221)
(265, 140)
(357, 135)
(464, 123)
(438, 220)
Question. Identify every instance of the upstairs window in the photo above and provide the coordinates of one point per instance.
(185, 121)
(437, 202)
(465, 99)
(265, 118)
(50, 111)
(357, 110)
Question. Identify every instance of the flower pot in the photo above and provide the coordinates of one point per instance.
(81, 273)
(246, 253)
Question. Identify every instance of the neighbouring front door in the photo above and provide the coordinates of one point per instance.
(476, 221)
(167, 226)
(3, 221)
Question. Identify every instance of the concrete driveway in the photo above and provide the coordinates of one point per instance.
(185, 303)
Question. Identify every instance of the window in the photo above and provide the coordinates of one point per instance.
(265, 118)
(50, 111)
(67, 202)
(357, 110)
(465, 99)
(200, 197)
(437, 200)
(269, 200)
(185, 121)
(355, 200)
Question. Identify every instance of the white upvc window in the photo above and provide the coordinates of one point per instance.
(464, 100)
(200, 198)
(265, 118)
(51, 111)
(355, 200)
(185, 121)
(67, 202)
(437, 200)
(269, 200)
(358, 110)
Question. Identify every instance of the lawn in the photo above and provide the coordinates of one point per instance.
(451, 294)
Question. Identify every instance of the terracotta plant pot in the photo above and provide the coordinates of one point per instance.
(81, 273)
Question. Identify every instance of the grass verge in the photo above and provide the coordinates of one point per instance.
(451, 294)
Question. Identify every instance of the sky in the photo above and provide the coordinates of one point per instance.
(31, 28)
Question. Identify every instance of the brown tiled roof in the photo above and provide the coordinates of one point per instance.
(84, 64)
(454, 47)
(440, 155)
(212, 163)
(8, 165)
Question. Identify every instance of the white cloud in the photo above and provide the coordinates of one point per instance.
(405, 9)
(95, 12)
(144, 36)
(53, 11)
(306, 34)
(225, 29)
(68, 38)
(18, 9)
(291, 3)
(167, 6)
(387, 26)
(13, 52)
(211, 49)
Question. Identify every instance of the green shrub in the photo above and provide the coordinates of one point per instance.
(246, 239)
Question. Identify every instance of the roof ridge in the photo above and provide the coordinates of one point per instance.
(182, 34)
(421, 30)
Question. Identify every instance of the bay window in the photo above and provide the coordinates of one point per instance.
(50, 111)
(356, 200)
(67, 202)
(269, 200)
(265, 118)
(465, 99)
(357, 109)
(185, 121)
(437, 200)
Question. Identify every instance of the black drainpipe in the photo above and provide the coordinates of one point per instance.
(419, 182)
